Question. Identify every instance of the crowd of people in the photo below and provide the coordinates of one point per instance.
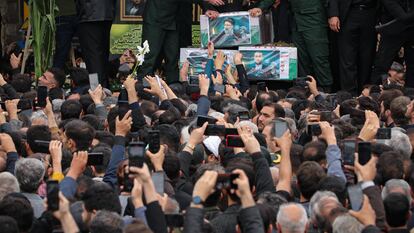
(222, 154)
(199, 158)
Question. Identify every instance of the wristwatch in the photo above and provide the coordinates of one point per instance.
(197, 200)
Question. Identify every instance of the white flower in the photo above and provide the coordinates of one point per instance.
(146, 48)
(140, 59)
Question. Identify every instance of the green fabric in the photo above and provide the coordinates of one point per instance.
(313, 54)
(66, 7)
(309, 14)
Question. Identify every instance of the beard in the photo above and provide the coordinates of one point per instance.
(228, 31)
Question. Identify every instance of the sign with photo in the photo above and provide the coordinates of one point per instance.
(235, 29)
(197, 59)
(270, 63)
(131, 10)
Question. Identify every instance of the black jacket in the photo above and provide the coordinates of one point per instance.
(95, 10)
(400, 10)
(340, 8)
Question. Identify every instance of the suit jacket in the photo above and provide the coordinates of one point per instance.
(374, 195)
(340, 8)
(95, 10)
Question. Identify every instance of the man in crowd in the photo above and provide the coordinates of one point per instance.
(309, 34)
(95, 22)
(354, 21)
(397, 31)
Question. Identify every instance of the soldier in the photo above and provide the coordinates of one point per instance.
(309, 34)
(354, 21)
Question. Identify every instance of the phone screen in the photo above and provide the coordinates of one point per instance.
(158, 180)
(95, 159)
(203, 119)
(364, 152)
(220, 88)
(349, 152)
(234, 141)
(356, 197)
(215, 130)
(383, 134)
(154, 141)
(52, 187)
(136, 153)
(325, 116)
(93, 81)
(41, 96)
(280, 128)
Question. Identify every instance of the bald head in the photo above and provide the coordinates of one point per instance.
(292, 218)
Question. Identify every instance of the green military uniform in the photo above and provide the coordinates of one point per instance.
(160, 29)
(310, 36)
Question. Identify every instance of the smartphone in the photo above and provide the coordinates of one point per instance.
(203, 119)
(3, 106)
(174, 220)
(261, 86)
(302, 81)
(154, 141)
(314, 130)
(52, 187)
(95, 159)
(145, 83)
(158, 180)
(325, 116)
(384, 133)
(244, 116)
(93, 81)
(43, 146)
(356, 197)
(123, 105)
(234, 141)
(136, 154)
(364, 152)
(128, 183)
(280, 128)
(215, 130)
(41, 96)
(194, 81)
(349, 152)
(220, 88)
(225, 181)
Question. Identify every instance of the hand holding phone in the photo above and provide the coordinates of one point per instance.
(383, 134)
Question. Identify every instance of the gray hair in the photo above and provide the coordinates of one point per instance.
(39, 115)
(250, 124)
(392, 184)
(346, 224)
(234, 108)
(318, 202)
(8, 184)
(106, 222)
(29, 172)
(292, 221)
(400, 142)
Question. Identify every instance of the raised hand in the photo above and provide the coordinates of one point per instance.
(123, 126)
